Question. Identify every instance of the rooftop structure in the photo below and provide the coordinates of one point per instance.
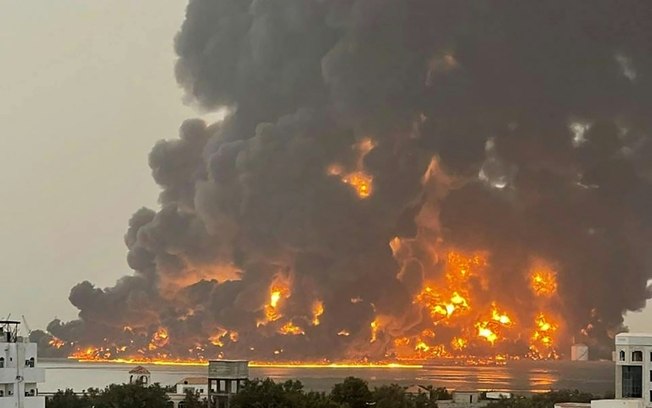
(140, 375)
(225, 379)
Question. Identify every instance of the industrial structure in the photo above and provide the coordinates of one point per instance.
(19, 374)
(579, 352)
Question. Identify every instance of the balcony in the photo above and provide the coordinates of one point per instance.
(34, 375)
(30, 375)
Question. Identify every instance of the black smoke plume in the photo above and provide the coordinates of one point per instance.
(517, 128)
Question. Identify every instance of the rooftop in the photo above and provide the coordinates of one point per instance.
(228, 361)
(628, 334)
(139, 370)
(194, 381)
(572, 404)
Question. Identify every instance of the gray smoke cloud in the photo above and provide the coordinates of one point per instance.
(517, 128)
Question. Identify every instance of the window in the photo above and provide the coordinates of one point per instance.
(632, 384)
(2, 362)
(622, 355)
(637, 356)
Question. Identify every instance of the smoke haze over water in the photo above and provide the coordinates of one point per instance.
(379, 158)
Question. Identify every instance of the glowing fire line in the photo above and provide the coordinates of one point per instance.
(253, 364)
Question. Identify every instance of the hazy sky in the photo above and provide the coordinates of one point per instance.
(86, 89)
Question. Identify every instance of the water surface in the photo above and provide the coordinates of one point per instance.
(519, 377)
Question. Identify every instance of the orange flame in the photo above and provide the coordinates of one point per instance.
(543, 337)
(361, 181)
(160, 339)
(56, 342)
(461, 314)
(317, 311)
(543, 280)
(278, 291)
(289, 328)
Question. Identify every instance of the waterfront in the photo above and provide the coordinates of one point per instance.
(518, 377)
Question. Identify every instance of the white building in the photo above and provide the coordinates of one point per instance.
(19, 374)
(197, 385)
(634, 366)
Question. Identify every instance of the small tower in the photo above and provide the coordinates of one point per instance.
(140, 375)
(225, 379)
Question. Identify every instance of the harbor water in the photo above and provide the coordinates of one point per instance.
(521, 377)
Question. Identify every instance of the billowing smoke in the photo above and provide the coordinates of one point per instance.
(394, 179)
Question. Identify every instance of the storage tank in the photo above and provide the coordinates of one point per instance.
(579, 352)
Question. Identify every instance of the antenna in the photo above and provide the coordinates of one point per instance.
(29, 331)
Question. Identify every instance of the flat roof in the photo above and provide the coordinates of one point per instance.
(631, 334)
(633, 339)
(228, 361)
(194, 381)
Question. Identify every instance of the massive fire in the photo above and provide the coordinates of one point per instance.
(366, 201)
(466, 319)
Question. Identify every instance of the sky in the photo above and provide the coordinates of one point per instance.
(86, 89)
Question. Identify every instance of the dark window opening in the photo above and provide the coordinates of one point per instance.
(637, 356)
(622, 355)
(632, 382)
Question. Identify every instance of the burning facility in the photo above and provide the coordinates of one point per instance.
(393, 180)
